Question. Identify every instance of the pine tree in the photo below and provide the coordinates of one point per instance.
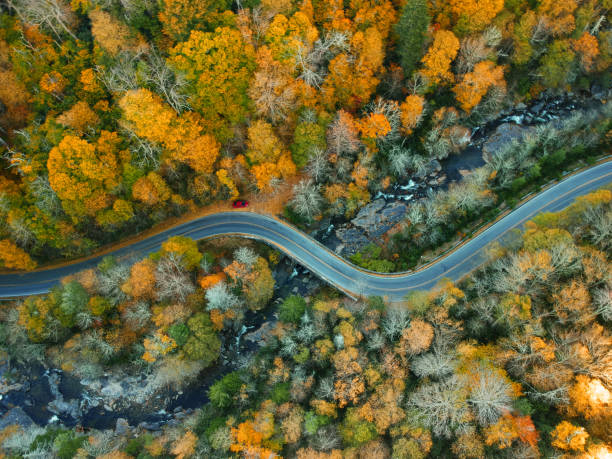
(411, 31)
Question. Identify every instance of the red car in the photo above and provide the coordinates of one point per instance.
(240, 203)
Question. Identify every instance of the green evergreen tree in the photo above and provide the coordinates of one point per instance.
(411, 30)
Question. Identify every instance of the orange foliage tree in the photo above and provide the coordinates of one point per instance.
(587, 49)
(475, 84)
(141, 283)
(79, 117)
(411, 112)
(151, 189)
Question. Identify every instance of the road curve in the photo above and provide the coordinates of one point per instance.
(322, 261)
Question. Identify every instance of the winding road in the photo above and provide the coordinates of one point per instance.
(323, 262)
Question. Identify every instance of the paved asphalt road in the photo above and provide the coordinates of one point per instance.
(322, 261)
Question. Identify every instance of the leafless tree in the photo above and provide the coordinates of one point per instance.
(318, 165)
(326, 438)
(599, 224)
(166, 82)
(123, 75)
(416, 213)
(400, 160)
(375, 341)
(436, 144)
(20, 232)
(442, 406)
(473, 50)
(172, 282)
(288, 346)
(145, 154)
(307, 200)
(92, 340)
(273, 97)
(137, 316)
(219, 297)
(325, 389)
(306, 68)
(46, 197)
(437, 364)
(111, 280)
(54, 15)
(490, 396)
(395, 321)
(341, 138)
(22, 439)
(246, 256)
(602, 300)
(102, 442)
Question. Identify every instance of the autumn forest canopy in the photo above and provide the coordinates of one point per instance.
(119, 115)
(116, 115)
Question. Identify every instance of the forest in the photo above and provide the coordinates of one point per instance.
(116, 115)
(119, 117)
(513, 361)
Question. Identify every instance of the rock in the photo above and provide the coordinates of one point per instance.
(597, 91)
(503, 135)
(122, 427)
(261, 335)
(393, 211)
(66, 408)
(112, 390)
(351, 236)
(152, 426)
(15, 416)
(366, 215)
(520, 106)
(537, 108)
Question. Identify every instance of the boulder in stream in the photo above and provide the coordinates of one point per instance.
(15, 416)
(503, 135)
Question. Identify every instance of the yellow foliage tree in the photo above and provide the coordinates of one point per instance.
(437, 61)
(13, 257)
(559, 15)
(473, 15)
(147, 116)
(220, 66)
(112, 35)
(179, 17)
(567, 436)
(185, 445)
(83, 175)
